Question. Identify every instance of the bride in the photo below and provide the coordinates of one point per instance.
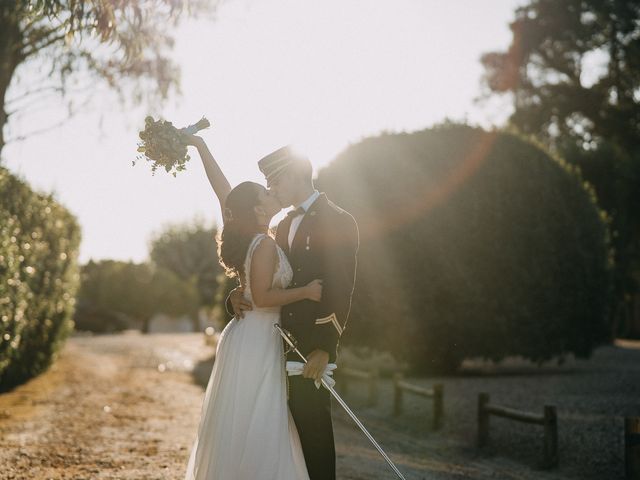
(246, 431)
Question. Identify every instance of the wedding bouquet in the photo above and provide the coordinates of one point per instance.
(165, 145)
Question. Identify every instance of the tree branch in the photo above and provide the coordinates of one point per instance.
(39, 131)
(30, 93)
(27, 27)
(37, 48)
(48, 128)
(90, 86)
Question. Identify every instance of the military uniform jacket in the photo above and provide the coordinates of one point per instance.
(324, 247)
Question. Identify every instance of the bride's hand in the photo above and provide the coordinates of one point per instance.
(194, 140)
(314, 290)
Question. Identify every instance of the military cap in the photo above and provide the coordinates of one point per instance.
(276, 162)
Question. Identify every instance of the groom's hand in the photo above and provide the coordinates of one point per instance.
(316, 364)
(239, 303)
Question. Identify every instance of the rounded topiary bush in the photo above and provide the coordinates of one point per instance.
(473, 243)
(39, 241)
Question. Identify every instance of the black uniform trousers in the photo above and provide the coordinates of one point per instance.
(311, 411)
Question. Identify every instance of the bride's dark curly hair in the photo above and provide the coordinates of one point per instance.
(240, 226)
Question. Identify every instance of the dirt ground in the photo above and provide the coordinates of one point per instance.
(127, 407)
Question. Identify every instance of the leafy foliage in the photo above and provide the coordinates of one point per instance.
(558, 91)
(114, 289)
(473, 243)
(573, 70)
(39, 241)
(190, 252)
(616, 173)
(124, 43)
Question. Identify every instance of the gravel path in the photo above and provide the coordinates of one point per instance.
(592, 398)
(127, 407)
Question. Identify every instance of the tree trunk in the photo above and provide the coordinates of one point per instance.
(10, 57)
(3, 118)
(195, 320)
(146, 323)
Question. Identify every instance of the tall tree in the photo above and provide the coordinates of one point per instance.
(124, 43)
(573, 71)
(189, 251)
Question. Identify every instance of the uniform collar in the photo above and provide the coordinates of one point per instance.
(309, 201)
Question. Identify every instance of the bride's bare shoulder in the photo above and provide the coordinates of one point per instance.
(265, 245)
(264, 257)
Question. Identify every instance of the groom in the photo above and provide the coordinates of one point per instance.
(321, 242)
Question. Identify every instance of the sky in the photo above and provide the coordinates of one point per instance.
(321, 75)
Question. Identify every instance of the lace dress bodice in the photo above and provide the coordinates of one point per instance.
(281, 276)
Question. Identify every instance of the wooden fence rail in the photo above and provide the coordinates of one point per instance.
(436, 393)
(549, 420)
(371, 377)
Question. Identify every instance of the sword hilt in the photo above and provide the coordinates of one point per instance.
(290, 339)
(286, 334)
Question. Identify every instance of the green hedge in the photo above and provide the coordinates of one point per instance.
(472, 244)
(39, 241)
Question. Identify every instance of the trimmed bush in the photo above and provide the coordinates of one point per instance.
(473, 243)
(39, 241)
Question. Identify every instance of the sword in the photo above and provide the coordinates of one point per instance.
(292, 342)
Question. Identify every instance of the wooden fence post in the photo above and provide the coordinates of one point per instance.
(483, 419)
(550, 437)
(397, 394)
(632, 448)
(438, 405)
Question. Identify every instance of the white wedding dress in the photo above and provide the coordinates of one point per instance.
(246, 431)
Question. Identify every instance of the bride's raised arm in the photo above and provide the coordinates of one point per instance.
(217, 179)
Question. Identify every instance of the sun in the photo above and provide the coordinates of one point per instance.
(320, 149)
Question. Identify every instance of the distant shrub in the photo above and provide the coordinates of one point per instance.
(39, 241)
(112, 291)
(190, 251)
(90, 319)
(473, 243)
